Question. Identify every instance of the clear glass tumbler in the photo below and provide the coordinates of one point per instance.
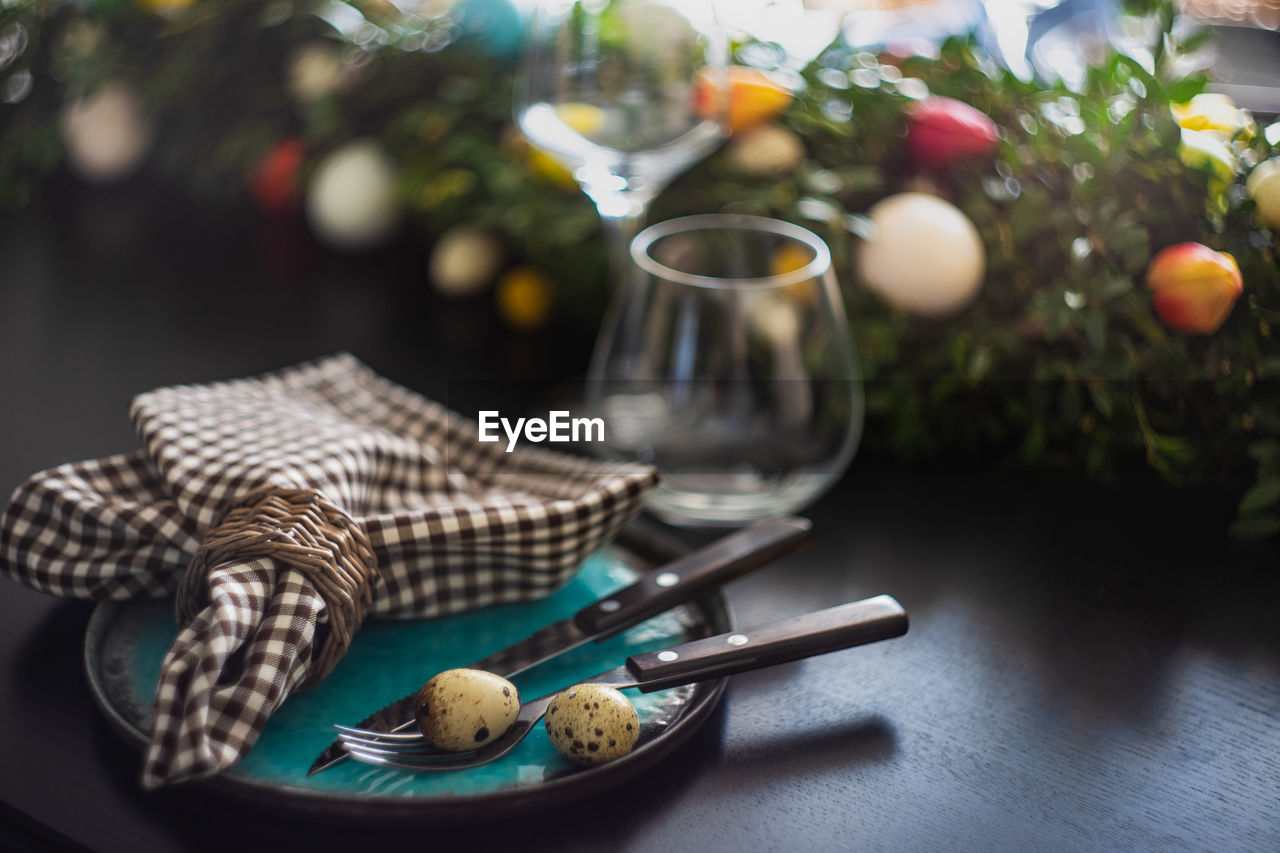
(727, 362)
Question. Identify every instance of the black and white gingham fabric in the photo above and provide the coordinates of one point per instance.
(455, 524)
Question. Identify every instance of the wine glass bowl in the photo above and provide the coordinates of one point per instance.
(624, 93)
(727, 362)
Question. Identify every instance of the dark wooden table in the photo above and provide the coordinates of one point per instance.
(1089, 667)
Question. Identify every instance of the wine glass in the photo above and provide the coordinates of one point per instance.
(729, 365)
(626, 94)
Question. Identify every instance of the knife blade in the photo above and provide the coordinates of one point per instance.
(674, 583)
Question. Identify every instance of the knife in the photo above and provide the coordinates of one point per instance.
(675, 583)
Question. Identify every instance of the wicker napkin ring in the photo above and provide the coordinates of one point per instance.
(299, 528)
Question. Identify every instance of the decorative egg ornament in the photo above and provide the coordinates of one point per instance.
(1214, 112)
(1264, 187)
(1207, 151)
(465, 259)
(315, 71)
(654, 33)
(351, 202)
(766, 150)
(524, 298)
(754, 97)
(1193, 288)
(273, 183)
(925, 256)
(943, 131)
(497, 25)
(107, 134)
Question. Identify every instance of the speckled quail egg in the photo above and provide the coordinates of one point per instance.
(592, 723)
(462, 709)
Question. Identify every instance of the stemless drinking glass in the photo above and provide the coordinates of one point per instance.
(727, 362)
(626, 94)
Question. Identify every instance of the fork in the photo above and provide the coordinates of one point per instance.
(815, 633)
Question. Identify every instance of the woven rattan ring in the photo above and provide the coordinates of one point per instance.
(299, 528)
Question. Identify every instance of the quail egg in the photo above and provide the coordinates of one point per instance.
(592, 723)
(461, 709)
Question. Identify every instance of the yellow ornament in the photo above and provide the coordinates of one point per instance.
(1206, 150)
(1217, 113)
(745, 96)
(550, 169)
(790, 258)
(585, 119)
(524, 298)
(541, 164)
(1264, 187)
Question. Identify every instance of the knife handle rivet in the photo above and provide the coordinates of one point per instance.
(609, 606)
(736, 639)
(667, 579)
(667, 657)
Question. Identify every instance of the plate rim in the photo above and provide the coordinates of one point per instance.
(354, 808)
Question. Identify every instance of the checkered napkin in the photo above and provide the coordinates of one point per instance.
(454, 524)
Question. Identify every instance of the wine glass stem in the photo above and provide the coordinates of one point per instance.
(619, 232)
(623, 214)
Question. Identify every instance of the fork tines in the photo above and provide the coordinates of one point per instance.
(355, 735)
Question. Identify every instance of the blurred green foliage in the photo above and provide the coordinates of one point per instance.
(1061, 362)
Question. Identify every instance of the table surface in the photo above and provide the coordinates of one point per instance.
(1089, 666)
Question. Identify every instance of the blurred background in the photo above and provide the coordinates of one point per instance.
(195, 189)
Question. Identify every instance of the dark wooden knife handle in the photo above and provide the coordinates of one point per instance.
(855, 624)
(693, 574)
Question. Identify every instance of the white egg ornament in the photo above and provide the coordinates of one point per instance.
(925, 255)
(315, 71)
(462, 709)
(351, 201)
(1264, 187)
(765, 150)
(465, 259)
(591, 724)
(107, 134)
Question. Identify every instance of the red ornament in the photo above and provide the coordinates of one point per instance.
(943, 131)
(273, 184)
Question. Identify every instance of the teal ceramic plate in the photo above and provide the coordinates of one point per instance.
(126, 643)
